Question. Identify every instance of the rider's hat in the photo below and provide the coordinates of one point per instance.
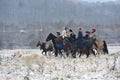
(58, 33)
(65, 28)
(70, 30)
(93, 30)
(80, 29)
(87, 32)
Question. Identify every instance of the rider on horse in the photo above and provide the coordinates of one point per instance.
(80, 34)
(59, 35)
(65, 32)
(87, 36)
(59, 43)
(93, 35)
(72, 37)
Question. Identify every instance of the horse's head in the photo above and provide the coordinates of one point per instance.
(38, 44)
(50, 37)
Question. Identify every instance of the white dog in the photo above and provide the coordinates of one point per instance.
(30, 59)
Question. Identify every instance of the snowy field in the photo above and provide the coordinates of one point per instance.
(102, 67)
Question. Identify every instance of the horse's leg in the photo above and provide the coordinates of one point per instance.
(60, 52)
(46, 53)
(65, 49)
(97, 50)
(49, 49)
(93, 52)
(42, 51)
(56, 53)
(80, 53)
(74, 54)
(67, 53)
(88, 53)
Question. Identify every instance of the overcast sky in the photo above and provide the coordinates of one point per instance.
(96, 0)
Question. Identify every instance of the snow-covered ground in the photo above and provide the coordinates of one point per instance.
(102, 67)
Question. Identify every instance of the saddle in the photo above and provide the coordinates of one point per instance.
(59, 40)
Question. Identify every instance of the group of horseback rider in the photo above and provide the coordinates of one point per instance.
(67, 41)
(70, 36)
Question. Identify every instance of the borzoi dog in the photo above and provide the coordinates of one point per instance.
(30, 59)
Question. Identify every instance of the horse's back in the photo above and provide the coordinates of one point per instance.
(84, 43)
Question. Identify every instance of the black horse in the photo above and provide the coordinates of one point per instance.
(81, 44)
(55, 41)
(44, 48)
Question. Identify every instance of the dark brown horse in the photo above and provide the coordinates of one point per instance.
(81, 44)
(85, 51)
(58, 44)
(44, 48)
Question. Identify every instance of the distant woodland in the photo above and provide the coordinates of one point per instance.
(24, 22)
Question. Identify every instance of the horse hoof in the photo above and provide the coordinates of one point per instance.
(74, 56)
(55, 55)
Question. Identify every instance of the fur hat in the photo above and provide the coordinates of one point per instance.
(65, 28)
(70, 30)
(87, 32)
(80, 29)
(58, 33)
(93, 30)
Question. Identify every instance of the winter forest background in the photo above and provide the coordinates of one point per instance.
(24, 22)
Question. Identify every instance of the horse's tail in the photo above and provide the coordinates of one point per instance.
(105, 49)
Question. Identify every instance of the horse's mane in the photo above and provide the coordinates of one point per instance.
(52, 35)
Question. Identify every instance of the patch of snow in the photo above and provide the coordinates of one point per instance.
(102, 67)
